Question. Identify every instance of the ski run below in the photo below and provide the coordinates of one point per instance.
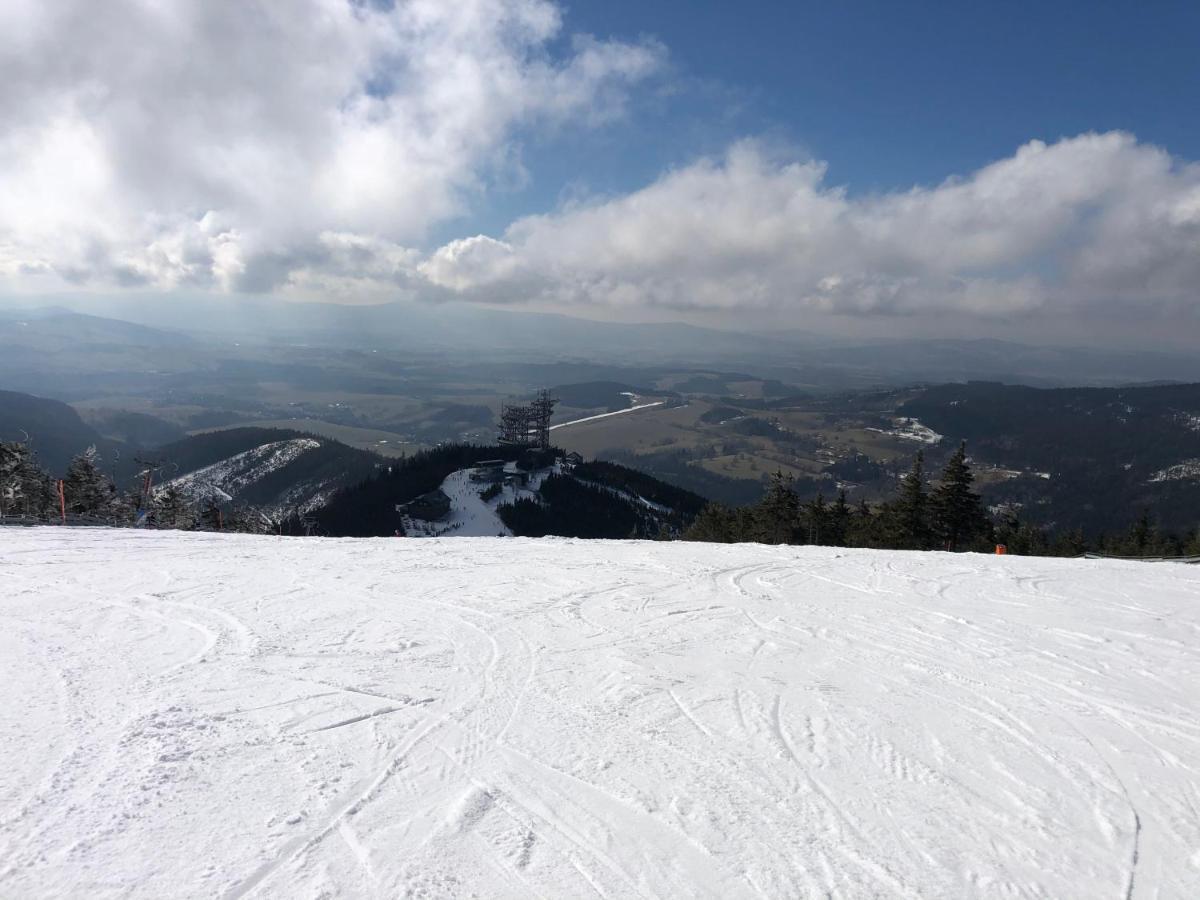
(200, 715)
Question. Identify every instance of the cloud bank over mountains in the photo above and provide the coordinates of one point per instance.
(241, 143)
(311, 148)
(1094, 222)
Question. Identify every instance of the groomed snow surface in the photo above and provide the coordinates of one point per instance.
(203, 715)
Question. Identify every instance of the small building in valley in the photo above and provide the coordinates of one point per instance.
(431, 507)
(489, 471)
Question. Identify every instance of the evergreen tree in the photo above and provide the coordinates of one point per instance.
(716, 524)
(1192, 543)
(171, 509)
(838, 527)
(87, 491)
(25, 490)
(956, 512)
(1021, 538)
(1073, 543)
(211, 517)
(908, 515)
(816, 519)
(1141, 535)
(1145, 539)
(249, 520)
(777, 516)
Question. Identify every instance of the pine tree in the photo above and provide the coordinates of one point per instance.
(1073, 543)
(211, 517)
(862, 527)
(171, 509)
(956, 512)
(247, 520)
(715, 524)
(838, 528)
(1142, 536)
(909, 513)
(816, 519)
(87, 491)
(1192, 543)
(777, 516)
(25, 489)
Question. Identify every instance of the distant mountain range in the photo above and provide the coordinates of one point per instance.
(460, 332)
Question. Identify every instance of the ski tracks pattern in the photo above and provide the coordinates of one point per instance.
(240, 717)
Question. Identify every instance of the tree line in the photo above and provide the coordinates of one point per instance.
(921, 515)
(88, 496)
(944, 515)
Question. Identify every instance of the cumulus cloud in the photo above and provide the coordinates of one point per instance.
(228, 143)
(307, 148)
(1097, 221)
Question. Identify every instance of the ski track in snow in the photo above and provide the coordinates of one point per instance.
(230, 716)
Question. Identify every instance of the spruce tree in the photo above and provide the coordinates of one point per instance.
(862, 527)
(25, 489)
(171, 509)
(211, 518)
(816, 518)
(1192, 543)
(838, 527)
(777, 516)
(909, 513)
(1073, 543)
(716, 524)
(956, 511)
(87, 491)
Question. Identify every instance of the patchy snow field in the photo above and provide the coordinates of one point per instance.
(471, 515)
(202, 715)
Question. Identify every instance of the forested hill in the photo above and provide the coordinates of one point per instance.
(55, 431)
(1105, 454)
(368, 508)
(272, 468)
(603, 500)
(598, 500)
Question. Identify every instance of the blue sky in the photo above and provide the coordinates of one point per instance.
(998, 167)
(890, 94)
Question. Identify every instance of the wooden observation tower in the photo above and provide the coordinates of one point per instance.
(528, 425)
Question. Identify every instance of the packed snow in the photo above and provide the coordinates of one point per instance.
(199, 715)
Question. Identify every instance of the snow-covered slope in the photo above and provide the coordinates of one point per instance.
(471, 515)
(226, 479)
(207, 715)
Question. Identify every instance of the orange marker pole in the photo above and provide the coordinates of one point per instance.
(62, 502)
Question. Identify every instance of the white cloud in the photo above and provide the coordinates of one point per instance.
(307, 147)
(218, 142)
(1096, 221)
